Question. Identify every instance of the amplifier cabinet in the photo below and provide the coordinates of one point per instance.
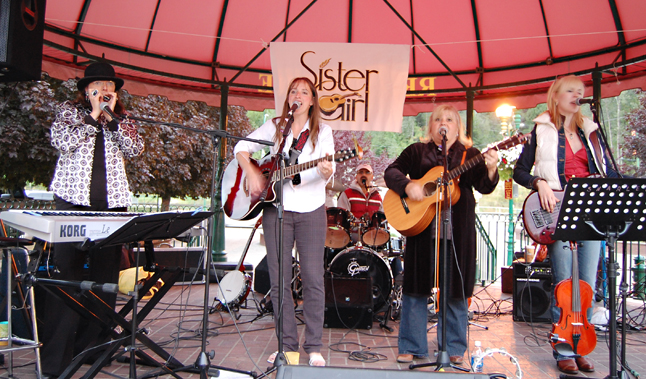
(532, 292)
(348, 302)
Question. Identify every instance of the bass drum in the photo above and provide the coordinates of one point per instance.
(362, 262)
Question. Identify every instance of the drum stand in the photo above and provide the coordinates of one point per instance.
(442, 354)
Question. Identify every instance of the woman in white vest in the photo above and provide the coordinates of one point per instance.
(564, 144)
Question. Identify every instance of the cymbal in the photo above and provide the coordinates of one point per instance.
(336, 186)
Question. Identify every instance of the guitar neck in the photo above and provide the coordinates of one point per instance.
(295, 169)
(468, 165)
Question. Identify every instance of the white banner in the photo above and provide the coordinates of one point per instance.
(361, 87)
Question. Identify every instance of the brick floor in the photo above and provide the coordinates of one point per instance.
(245, 345)
(176, 325)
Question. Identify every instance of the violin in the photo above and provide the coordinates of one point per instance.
(574, 297)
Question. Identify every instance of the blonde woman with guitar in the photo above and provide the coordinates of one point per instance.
(420, 254)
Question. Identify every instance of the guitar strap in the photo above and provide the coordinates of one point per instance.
(295, 151)
(464, 156)
(596, 149)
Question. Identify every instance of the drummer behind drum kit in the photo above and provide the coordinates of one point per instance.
(360, 249)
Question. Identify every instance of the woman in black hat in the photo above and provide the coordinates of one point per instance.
(90, 176)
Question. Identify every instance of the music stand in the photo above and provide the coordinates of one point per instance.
(610, 210)
(145, 228)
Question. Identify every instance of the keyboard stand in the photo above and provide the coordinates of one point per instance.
(15, 343)
(145, 229)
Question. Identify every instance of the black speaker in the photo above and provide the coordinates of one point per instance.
(532, 292)
(21, 39)
(299, 372)
(348, 302)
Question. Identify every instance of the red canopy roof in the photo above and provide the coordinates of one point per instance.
(187, 50)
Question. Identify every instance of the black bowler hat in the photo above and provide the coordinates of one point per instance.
(99, 71)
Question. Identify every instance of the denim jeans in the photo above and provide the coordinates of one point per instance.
(561, 260)
(414, 323)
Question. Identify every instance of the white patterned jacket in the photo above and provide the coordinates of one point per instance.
(75, 139)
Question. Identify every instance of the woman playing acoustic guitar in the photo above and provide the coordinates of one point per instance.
(564, 144)
(419, 260)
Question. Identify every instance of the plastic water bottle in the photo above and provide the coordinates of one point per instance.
(477, 353)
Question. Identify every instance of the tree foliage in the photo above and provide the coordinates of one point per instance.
(176, 162)
(27, 111)
(635, 142)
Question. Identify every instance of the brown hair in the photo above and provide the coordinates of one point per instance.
(552, 103)
(314, 112)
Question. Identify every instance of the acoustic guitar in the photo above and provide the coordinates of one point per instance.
(237, 201)
(411, 217)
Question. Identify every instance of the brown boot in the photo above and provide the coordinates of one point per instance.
(568, 366)
(584, 364)
(405, 358)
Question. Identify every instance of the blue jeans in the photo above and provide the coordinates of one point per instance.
(561, 261)
(414, 322)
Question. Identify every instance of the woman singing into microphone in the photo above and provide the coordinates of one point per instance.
(90, 176)
(304, 217)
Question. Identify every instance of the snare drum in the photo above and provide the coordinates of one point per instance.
(338, 226)
(377, 233)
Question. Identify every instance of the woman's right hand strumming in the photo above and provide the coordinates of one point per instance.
(255, 180)
(546, 196)
(415, 191)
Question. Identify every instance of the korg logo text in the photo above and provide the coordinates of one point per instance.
(72, 231)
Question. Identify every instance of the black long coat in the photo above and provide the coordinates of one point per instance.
(419, 260)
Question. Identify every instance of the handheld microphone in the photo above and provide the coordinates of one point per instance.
(581, 101)
(363, 181)
(106, 108)
(105, 97)
(443, 130)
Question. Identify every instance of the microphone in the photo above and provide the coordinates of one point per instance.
(105, 288)
(295, 106)
(443, 130)
(581, 101)
(106, 108)
(105, 97)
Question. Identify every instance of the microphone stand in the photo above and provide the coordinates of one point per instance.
(443, 359)
(612, 269)
(203, 362)
(279, 165)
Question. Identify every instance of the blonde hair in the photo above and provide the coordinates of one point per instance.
(314, 112)
(552, 102)
(439, 111)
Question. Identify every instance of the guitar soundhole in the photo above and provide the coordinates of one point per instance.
(430, 188)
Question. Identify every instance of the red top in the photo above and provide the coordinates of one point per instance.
(576, 165)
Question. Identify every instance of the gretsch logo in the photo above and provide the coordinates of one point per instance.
(354, 268)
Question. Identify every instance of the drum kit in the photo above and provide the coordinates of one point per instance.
(363, 248)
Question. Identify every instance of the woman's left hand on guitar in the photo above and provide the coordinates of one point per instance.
(491, 161)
